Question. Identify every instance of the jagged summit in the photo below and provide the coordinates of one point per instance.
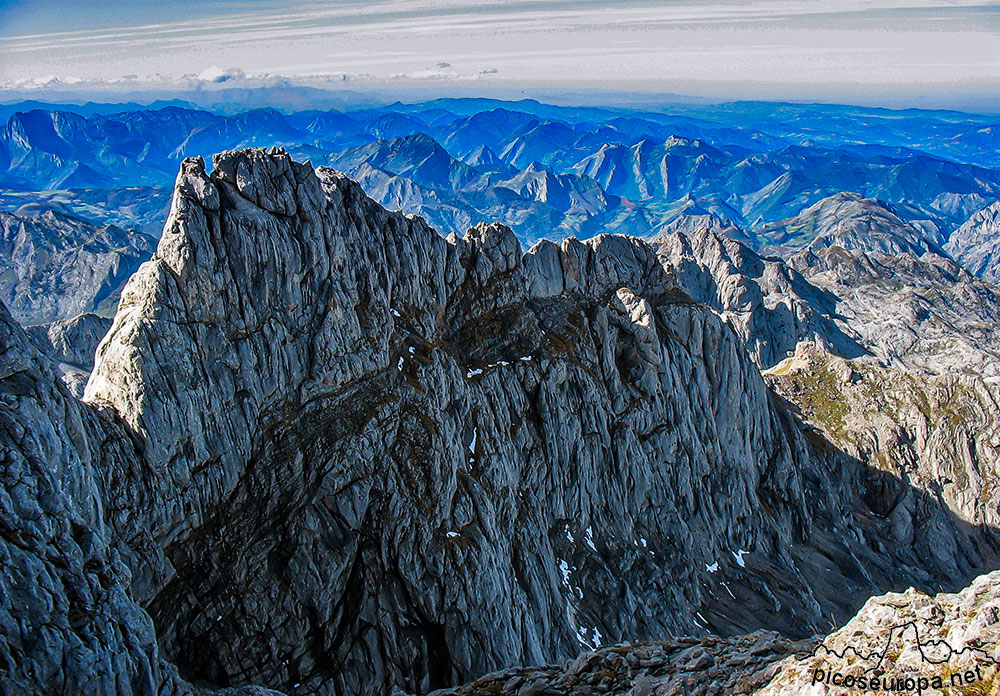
(330, 451)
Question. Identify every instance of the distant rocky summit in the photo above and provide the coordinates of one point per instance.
(72, 343)
(55, 266)
(325, 450)
(976, 244)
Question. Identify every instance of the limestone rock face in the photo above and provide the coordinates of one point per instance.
(68, 622)
(941, 434)
(976, 244)
(336, 453)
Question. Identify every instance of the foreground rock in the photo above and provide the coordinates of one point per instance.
(907, 642)
(688, 666)
(336, 453)
(899, 643)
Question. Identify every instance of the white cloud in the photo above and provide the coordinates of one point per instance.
(217, 74)
(690, 45)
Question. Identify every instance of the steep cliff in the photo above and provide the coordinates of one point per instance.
(339, 453)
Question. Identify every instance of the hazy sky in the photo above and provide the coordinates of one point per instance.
(935, 49)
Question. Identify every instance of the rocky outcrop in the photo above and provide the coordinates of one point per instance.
(769, 305)
(339, 453)
(72, 343)
(909, 642)
(923, 314)
(939, 434)
(689, 666)
(976, 244)
(54, 266)
(67, 621)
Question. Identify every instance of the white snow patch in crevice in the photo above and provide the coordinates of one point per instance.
(712, 568)
(399, 365)
(589, 538)
(473, 373)
(738, 555)
(564, 569)
(395, 313)
(453, 535)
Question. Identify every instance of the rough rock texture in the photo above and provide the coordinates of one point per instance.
(976, 244)
(67, 621)
(769, 305)
(341, 454)
(927, 314)
(939, 434)
(72, 343)
(895, 637)
(681, 666)
(909, 635)
(55, 266)
(462, 486)
(923, 314)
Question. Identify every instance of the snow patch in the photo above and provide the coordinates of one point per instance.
(564, 569)
(712, 568)
(738, 555)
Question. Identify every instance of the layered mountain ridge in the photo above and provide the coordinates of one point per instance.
(456, 162)
(328, 450)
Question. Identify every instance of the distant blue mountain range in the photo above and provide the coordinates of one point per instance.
(547, 171)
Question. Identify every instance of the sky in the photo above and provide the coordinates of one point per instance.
(928, 52)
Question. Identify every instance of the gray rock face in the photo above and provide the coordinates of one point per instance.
(925, 314)
(691, 666)
(67, 620)
(976, 244)
(72, 343)
(55, 266)
(940, 433)
(341, 454)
